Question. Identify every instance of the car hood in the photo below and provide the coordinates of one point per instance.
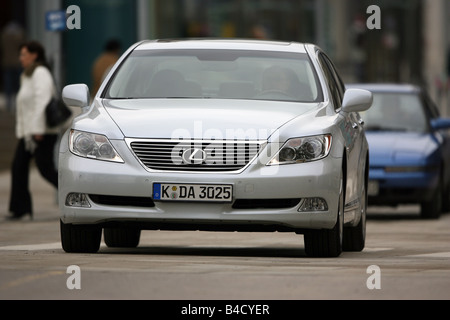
(203, 118)
(388, 148)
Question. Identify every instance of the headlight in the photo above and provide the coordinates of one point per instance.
(299, 150)
(93, 146)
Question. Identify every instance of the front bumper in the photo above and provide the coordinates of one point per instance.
(264, 198)
(401, 187)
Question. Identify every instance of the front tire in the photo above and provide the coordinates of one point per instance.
(327, 243)
(355, 237)
(432, 209)
(80, 238)
(446, 199)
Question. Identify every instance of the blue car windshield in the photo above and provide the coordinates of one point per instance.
(396, 112)
(216, 74)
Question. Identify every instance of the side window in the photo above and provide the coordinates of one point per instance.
(339, 82)
(334, 84)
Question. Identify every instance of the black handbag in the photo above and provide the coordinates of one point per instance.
(56, 113)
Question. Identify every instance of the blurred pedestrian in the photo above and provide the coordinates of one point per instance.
(104, 63)
(12, 36)
(35, 139)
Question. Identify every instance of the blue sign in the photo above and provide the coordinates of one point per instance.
(55, 20)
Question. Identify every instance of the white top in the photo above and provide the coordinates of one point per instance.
(34, 95)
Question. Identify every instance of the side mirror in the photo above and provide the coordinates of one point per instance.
(357, 100)
(440, 123)
(76, 95)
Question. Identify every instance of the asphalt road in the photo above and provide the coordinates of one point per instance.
(405, 258)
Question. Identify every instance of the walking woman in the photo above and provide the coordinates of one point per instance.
(35, 139)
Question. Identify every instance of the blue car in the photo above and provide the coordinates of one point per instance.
(409, 149)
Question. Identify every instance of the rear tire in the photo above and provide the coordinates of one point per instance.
(327, 243)
(80, 238)
(122, 238)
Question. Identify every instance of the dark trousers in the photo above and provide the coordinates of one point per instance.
(20, 201)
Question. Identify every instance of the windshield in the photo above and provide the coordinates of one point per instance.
(395, 112)
(222, 74)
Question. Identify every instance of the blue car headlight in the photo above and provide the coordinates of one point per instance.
(300, 150)
(92, 146)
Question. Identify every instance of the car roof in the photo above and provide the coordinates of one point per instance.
(229, 43)
(386, 87)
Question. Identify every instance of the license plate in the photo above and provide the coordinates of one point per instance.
(373, 188)
(192, 192)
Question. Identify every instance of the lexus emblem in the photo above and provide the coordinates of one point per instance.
(193, 156)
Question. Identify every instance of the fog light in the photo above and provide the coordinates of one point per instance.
(313, 204)
(77, 200)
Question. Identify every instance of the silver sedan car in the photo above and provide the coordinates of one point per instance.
(216, 135)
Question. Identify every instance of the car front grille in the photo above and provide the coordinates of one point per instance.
(195, 155)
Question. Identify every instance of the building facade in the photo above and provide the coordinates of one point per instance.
(411, 45)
